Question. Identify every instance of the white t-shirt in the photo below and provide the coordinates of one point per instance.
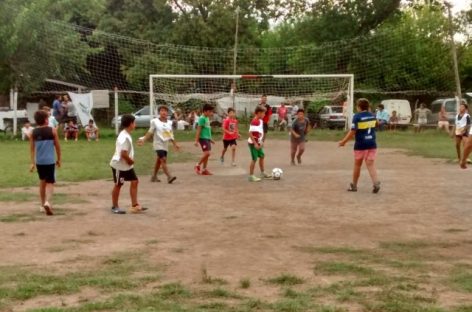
(91, 129)
(124, 142)
(52, 122)
(26, 132)
(162, 132)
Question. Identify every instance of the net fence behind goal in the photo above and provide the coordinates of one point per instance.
(243, 92)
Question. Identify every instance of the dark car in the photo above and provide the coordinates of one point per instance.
(330, 116)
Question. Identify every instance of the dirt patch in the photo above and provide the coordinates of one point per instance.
(236, 229)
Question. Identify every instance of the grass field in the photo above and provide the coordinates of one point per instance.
(84, 161)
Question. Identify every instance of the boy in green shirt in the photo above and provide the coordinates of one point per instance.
(203, 137)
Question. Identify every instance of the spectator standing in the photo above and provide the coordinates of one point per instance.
(57, 108)
(71, 110)
(26, 130)
(421, 115)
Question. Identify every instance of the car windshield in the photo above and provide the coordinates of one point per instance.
(450, 106)
(337, 109)
(144, 111)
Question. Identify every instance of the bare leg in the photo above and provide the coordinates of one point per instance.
(458, 147)
(301, 150)
(97, 135)
(233, 154)
(370, 164)
(133, 192)
(42, 191)
(204, 160)
(157, 165)
(261, 164)
(251, 167)
(356, 173)
(165, 168)
(467, 151)
(223, 152)
(49, 190)
(115, 195)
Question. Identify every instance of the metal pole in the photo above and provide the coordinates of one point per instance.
(151, 97)
(454, 56)
(116, 110)
(235, 56)
(15, 110)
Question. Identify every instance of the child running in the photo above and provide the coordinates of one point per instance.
(365, 146)
(161, 129)
(203, 137)
(298, 133)
(43, 143)
(231, 134)
(122, 167)
(255, 140)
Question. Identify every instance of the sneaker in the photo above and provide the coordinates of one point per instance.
(292, 163)
(197, 169)
(352, 188)
(206, 172)
(376, 188)
(48, 208)
(155, 179)
(137, 209)
(41, 209)
(117, 210)
(233, 164)
(253, 178)
(222, 160)
(171, 179)
(266, 176)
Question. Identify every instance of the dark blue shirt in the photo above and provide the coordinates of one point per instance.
(364, 124)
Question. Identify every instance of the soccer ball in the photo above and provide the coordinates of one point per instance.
(277, 173)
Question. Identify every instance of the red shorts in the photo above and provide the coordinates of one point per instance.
(369, 154)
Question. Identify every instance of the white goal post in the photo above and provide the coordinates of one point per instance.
(175, 89)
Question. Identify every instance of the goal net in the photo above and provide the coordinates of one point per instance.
(243, 92)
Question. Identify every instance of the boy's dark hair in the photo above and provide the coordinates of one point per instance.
(91, 121)
(230, 110)
(465, 105)
(300, 110)
(363, 104)
(207, 108)
(381, 106)
(127, 120)
(41, 117)
(260, 109)
(27, 121)
(163, 107)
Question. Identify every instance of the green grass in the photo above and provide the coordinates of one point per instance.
(343, 268)
(286, 280)
(461, 278)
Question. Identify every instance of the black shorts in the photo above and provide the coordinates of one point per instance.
(227, 143)
(161, 154)
(119, 177)
(266, 127)
(205, 144)
(47, 173)
(465, 135)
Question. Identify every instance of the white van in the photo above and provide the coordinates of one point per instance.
(402, 107)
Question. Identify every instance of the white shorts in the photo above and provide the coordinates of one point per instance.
(442, 124)
(422, 121)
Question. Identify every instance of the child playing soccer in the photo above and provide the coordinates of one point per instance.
(255, 140)
(231, 134)
(122, 167)
(161, 128)
(43, 142)
(297, 136)
(203, 137)
(365, 146)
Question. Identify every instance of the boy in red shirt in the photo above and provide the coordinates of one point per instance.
(256, 140)
(231, 134)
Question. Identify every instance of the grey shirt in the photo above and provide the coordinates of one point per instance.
(299, 127)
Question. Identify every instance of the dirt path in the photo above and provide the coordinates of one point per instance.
(238, 229)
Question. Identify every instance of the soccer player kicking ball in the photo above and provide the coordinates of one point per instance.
(122, 167)
(231, 134)
(203, 137)
(161, 129)
(365, 146)
(43, 143)
(255, 140)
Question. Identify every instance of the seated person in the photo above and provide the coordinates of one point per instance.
(26, 130)
(71, 130)
(393, 121)
(382, 117)
(91, 131)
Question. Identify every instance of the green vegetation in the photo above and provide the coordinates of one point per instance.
(286, 280)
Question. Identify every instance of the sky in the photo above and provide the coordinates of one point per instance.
(459, 5)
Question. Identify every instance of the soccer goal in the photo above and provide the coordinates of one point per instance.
(243, 92)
